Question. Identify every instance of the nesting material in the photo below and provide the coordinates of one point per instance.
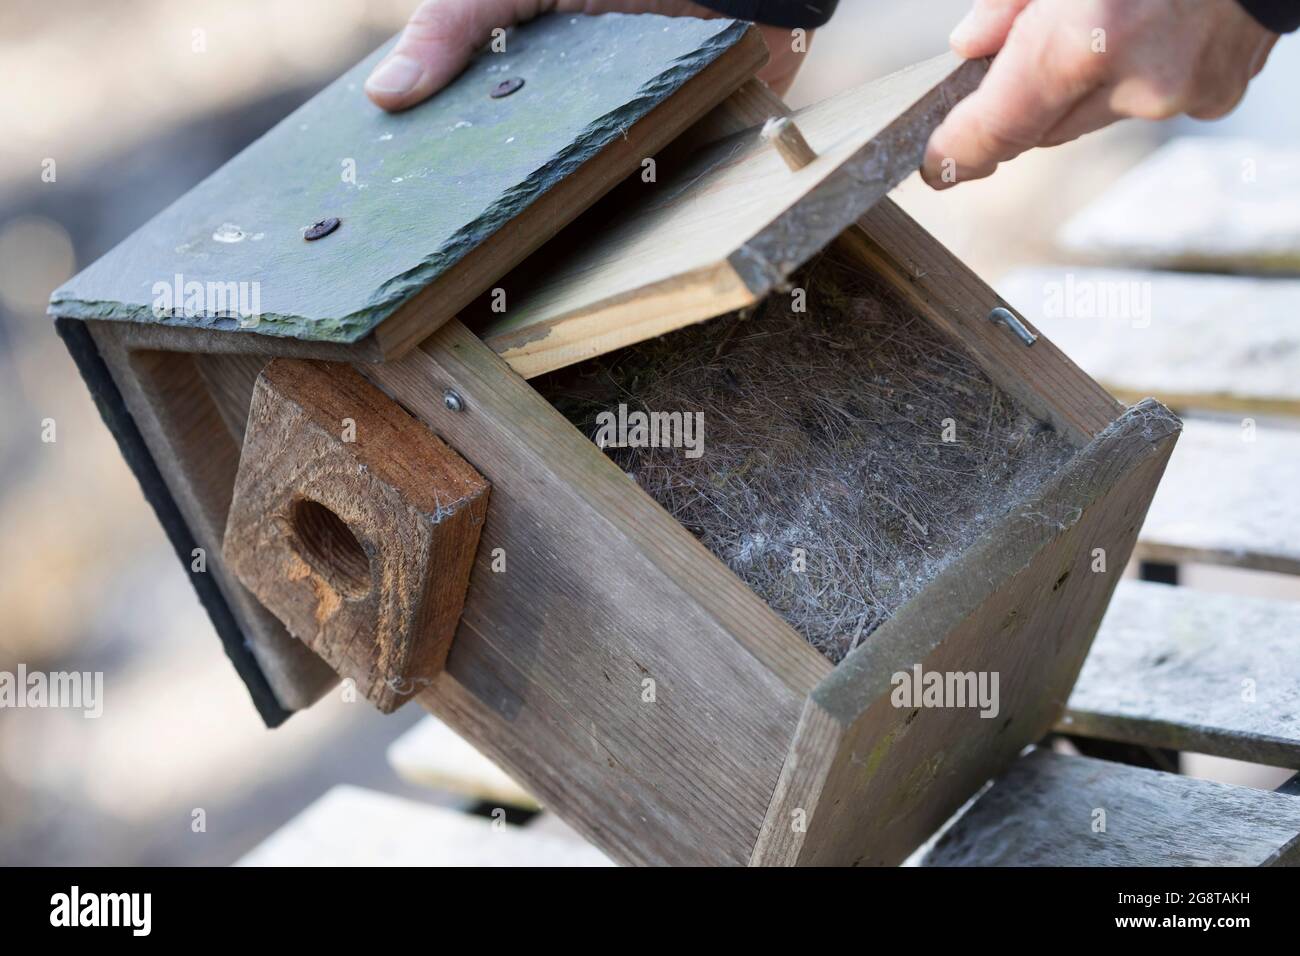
(849, 451)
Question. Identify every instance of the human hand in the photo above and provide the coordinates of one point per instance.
(1068, 67)
(443, 35)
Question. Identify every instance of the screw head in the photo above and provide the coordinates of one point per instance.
(513, 85)
(321, 229)
(452, 400)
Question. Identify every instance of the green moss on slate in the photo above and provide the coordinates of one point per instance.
(430, 184)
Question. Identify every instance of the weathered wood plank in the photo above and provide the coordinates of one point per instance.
(230, 379)
(1229, 498)
(447, 195)
(600, 592)
(355, 525)
(1042, 377)
(1244, 215)
(731, 224)
(871, 779)
(1216, 343)
(941, 287)
(139, 336)
(350, 826)
(1188, 670)
(98, 376)
(433, 755)
(749, 107)
(199, 457)
(1047, 810)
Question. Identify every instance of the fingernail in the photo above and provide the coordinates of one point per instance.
(397, 74)
(964, 32)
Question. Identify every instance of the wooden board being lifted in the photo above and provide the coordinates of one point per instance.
(722, 230)
(434, 203)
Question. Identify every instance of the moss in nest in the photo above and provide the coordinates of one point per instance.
(825, 436)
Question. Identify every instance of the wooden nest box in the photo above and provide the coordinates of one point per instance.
(318, 363)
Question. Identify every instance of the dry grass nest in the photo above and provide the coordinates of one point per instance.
(824, 436)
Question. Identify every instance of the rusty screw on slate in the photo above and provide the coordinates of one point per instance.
(321, 229)
(506, 87)
(1010, 320)
(452, 400)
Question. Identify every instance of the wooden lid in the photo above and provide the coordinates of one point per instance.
(723, 229)
(432, 205)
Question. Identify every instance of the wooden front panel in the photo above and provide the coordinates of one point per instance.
(601, 599)
(873, 780)
(185, 422)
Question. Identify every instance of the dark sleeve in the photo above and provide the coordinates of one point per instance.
(776, 13)
(1280, 16)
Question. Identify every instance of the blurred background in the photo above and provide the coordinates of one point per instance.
(135, 110)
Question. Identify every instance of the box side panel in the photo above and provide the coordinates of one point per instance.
(604, 658)
(108, 399)
(726, 226)
(1006, 629)
(945, 290)
(196, 453)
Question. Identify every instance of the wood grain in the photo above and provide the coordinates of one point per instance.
(1209, 204)
(1045, 810)
(198, 458)
(601, 592)
(355, 525)
(1229, 498)
(941, 287)
(1188, 670)
(748, 107)
(719, 232)
(1196, 342)
(230, 378)
(1024, 604)
(948, 292)
(787, 140)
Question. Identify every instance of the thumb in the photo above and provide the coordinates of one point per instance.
(985, 28)
(435, 46)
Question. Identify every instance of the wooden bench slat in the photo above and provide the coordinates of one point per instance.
(433, 755)
(1210, 204)
(1170, 667)
(1208, 342)
(1045, 810)
(1228, 500)
(350, 826)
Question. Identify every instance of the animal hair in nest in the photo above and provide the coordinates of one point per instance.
(824, 430)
